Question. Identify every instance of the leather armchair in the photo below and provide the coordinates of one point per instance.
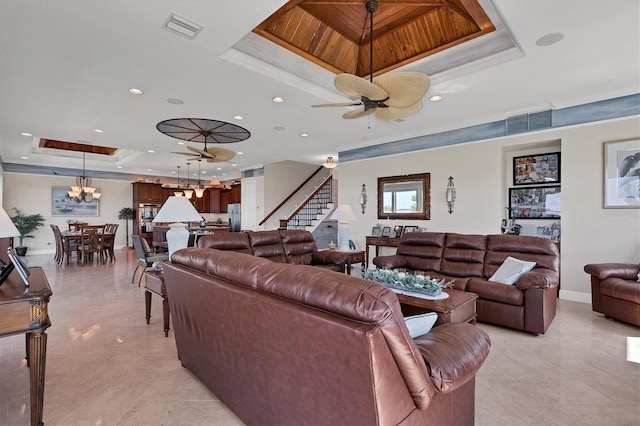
(615, 291)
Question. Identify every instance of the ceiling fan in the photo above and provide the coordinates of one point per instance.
(212, 155)
(390, 96)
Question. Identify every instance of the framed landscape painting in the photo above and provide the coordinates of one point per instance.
(536, 169)
(63, 205)
(622, 174)
(535, 202)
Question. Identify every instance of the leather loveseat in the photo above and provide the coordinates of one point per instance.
(615, 291)
(284, 344)
(294, 246)
(471, 260)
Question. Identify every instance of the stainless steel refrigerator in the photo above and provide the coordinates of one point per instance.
(233, 210)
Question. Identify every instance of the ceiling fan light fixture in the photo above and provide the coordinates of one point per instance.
(330, 164)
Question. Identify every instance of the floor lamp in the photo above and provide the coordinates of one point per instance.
(176, 211)
(343, 214)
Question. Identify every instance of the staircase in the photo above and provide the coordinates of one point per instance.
(313, 210)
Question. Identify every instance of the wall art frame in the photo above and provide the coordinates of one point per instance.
(622, 174)
(535, 202)
(536, 169)
(63, 205)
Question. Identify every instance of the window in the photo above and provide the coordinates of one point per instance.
(404, 197)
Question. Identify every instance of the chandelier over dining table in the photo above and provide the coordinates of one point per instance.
(82, 191)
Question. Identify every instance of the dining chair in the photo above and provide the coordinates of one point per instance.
(91, 242)
(57, 235)
(75, 226)
(110, 230)
(146, 257)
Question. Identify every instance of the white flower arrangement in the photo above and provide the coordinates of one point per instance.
(403, 281)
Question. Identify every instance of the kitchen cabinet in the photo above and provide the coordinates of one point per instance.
(214, 200)
(146, 193)
(230, 196)
(202, 204)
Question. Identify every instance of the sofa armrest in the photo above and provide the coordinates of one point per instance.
(626, 271)
(390, 262)
(453, 354)
(538, 278)
(328, 257)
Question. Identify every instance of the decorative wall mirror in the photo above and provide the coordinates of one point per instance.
(404, 197)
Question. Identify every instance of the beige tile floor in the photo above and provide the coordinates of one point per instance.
(106, 366)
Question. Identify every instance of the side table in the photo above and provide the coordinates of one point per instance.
(154, 284)
(353, 256)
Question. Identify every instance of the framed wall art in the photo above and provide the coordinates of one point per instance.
(386, 231)
(376, 231)
(63, 205)
(622, 174)
(535, 202)
(410, 228)
(536, 169)
(397, 231)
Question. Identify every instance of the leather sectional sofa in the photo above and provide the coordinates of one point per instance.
(294, 246)
(615, 291)
(471, 260)
(298, 345)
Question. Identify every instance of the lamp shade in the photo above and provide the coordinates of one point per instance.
(177, 209)
(344, 212)
(7, 227)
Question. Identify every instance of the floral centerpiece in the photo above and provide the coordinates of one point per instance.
(403, 281)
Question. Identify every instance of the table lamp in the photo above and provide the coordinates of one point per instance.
(7, 230)
(176, 211)
(343, 214)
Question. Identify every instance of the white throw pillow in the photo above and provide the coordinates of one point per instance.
(510, 270)
(420, 324)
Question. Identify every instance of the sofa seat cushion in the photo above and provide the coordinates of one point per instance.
(497, 292)
(618, 288)
(267, 244)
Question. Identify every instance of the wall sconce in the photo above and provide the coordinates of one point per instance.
(363, 198)
(451, 194)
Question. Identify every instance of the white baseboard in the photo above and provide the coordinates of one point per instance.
(575, 296)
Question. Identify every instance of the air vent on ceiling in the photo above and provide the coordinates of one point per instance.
(182, 26)
(528, 122)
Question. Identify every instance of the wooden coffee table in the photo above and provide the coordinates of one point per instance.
(460, 306)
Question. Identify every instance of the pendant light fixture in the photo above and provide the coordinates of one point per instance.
(188, 192)
(177, 192)
(200, 187)
(330, 164)
(82, 191)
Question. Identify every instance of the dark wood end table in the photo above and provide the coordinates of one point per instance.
(154, 284)
(460, 306)
(25, 310)
(353, 256)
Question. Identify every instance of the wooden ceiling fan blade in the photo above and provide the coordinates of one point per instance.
(220, 154)
(339, 104)
(201, 152)
(358, 113)
(393, 113)
(404, 88)
(357, 87)
(182, 153)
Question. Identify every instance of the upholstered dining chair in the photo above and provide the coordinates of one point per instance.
(146, 257)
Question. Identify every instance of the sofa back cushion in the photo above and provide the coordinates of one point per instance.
(234, 241)
(363, 309)
(463, 255)
(423, 250)
(532, 249)
(298, 245)
(267, 244)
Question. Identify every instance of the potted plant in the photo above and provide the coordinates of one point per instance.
(127, 213)
(26, 224)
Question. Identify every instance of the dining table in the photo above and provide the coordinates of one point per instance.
(75, 236)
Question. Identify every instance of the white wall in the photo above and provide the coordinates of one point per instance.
(590, 234)
(32, 194)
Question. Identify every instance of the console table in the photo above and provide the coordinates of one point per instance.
(379, 242)
(24, 310)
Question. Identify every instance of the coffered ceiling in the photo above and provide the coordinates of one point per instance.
(67, 66)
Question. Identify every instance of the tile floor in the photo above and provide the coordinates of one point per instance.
(106, 366)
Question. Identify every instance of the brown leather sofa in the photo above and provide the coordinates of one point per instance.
(294, 246)
(284, 344)
(615, 291)
(470, 260)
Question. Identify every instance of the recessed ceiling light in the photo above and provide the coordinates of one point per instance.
(435, 98)
(150, 151)
(180, 143)
(278, 128)
(234, 164)
(148, 170)
(277, 99)
(224, 174)
(240, 152)
(219, 168)
(118, 167)
(304, 135)
(175, 101)
(26, 134)
(98, 131)
(549, 39)
(135, 91)
(173, 172)
(24, 158)
(238, 117)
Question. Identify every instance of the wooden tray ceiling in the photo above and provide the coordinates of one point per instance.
(75, 146)
(335, 33)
